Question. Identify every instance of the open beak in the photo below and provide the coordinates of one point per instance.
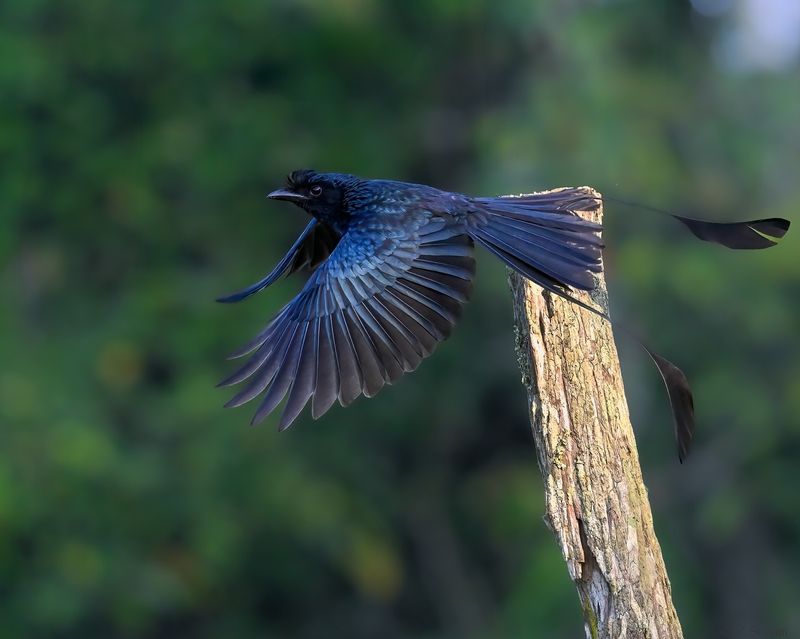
(285, 194)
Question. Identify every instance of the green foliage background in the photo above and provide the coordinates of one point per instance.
(137, 142)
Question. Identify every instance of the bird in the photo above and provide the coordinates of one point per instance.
(391, 267)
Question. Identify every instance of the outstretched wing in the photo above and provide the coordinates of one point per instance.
(315, 243)
(378, 306)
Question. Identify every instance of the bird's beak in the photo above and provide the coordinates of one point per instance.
(285, 194)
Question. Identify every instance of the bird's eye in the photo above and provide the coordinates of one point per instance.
(315, 190)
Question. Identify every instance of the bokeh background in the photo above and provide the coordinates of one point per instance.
(137, 142)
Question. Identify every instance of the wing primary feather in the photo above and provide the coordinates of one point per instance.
(350, 379)
(372, 371)
(416, 321)
(287, 371)
(385, 348)
(267, 371)
(326, 387)
(262, 336)
(445, 305)
(412, 275)
(444, 268)
(427, 313)
(447, 249)
(407, 344)
(254, 363)
(303, 383)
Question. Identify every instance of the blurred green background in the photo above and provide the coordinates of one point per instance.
(137, 143)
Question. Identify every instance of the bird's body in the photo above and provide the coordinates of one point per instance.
(393, 265)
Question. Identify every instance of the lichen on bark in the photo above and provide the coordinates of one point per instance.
(595, 498)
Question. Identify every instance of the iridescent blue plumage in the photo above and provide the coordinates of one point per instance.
(399, 266)
(393, 267)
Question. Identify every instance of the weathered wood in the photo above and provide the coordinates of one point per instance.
(596, 500)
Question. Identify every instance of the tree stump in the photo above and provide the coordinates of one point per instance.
(596, 501)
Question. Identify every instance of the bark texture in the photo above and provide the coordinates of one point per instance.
(596, 500)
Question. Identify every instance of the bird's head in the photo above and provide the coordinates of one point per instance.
(321, 194)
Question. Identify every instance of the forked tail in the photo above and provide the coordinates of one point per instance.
(542, 237)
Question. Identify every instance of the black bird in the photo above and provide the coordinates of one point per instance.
(392, 265)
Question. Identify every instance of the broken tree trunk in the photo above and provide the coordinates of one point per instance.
(596, 500)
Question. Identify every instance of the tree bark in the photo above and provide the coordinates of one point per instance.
(596, 500)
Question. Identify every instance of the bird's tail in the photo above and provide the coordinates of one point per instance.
(541, 236)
